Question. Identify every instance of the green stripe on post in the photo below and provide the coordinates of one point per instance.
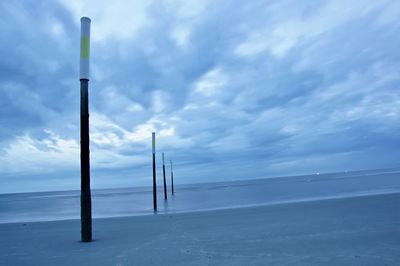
(85, 45)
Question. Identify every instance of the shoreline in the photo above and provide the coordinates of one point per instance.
(273, 203)
(360, 230)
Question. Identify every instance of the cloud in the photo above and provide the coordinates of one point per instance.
(121, 19)
(211, 83)
(181, 36)
(287, 33)
(28, 155)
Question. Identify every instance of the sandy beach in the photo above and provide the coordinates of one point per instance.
(350, 231)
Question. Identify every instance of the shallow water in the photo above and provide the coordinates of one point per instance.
(45, 206)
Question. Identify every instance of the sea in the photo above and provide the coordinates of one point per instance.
(134, 201)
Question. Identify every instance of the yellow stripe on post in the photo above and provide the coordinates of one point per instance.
(154, 141)
(85, 47)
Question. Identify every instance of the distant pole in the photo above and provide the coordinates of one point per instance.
(86, 201)
(165, 180)
(172, 178)
(154, 171)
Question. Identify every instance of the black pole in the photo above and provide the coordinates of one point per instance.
(172, 179)
(165, 180)
(154, 172)
(86, 201)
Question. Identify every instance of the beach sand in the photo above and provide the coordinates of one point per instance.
(350, 231)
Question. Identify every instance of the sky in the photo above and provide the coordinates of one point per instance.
(233, 89)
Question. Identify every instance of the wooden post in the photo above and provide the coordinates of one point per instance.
(154, 172)
(165, 180)
(86, 200)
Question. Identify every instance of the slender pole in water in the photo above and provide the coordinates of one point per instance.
(165, 180)
(154, 172)
(86, 201)
(172, 178)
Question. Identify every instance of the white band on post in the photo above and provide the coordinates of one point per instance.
(85, 48)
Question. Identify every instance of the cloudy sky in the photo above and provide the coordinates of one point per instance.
(234, 89)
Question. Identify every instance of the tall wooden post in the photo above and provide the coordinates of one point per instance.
(86, 201)
(154, 172)
(165, 180)
(172, 178)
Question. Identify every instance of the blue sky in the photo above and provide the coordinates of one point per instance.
(234, 89)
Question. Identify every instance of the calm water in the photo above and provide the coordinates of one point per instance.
(44, 206)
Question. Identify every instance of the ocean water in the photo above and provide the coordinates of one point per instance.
(61, 205)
